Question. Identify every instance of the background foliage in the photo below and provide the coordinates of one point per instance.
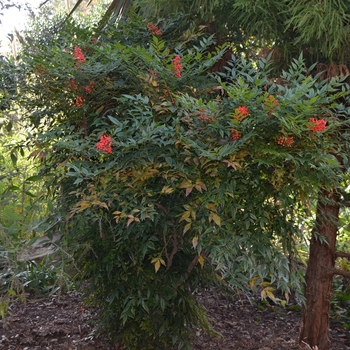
(167, 203)
(166, 176)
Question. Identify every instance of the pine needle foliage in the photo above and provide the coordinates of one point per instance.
(324, 26)
(320, 29)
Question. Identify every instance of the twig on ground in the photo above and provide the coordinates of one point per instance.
(309, 347)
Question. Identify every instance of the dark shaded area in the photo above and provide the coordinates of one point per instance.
(65, 322)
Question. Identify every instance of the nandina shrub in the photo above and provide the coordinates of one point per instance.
(129, 243)
(172, 177)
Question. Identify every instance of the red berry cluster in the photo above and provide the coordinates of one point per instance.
(90, 87)
(154, 29)
(154, 74)
(72, 84)
(105, 144)
(78, 54)
(285, 141)
(271, 103)
(177, 67)
(204, 118)
(80, 100)
(240, 113)
(235, 134)
(317, 124)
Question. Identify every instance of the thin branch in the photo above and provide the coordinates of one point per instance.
(161, 207)
(309, 347)
(117, 8)
(341, 273)
(189, 270)
(174, 237)
(43, 3)
(174, 251)
(342, 255)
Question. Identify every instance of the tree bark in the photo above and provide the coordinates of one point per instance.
(319, 273)
(67, 7)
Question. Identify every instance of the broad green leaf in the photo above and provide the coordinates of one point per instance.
(34, 178)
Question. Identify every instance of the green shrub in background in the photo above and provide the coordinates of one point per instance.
(24, 207)
(26, 212)
(171, 177)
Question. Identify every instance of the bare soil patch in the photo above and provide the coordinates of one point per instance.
(65, 323)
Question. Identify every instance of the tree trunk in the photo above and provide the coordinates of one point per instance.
(319, 274)
(67, 7)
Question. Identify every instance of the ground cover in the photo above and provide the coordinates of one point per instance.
(65, 322)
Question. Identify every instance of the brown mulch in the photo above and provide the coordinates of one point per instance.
(64, 323)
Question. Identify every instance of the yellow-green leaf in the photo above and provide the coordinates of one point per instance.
(216, 218)
(219, 277)
(186, 184)
(195, 242)
(167, 190)
(211, 207)
(268, 292)
(252, 282)
(131, 219)
(201, 261)
(193, 214)
(198, 188)
(187, 227)
(154, 83)
(271, 295)
(186, 216)
(286, 295)
(157, 262)
(100, 204)
(234, 165)
(157, 265)
(83, 205)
